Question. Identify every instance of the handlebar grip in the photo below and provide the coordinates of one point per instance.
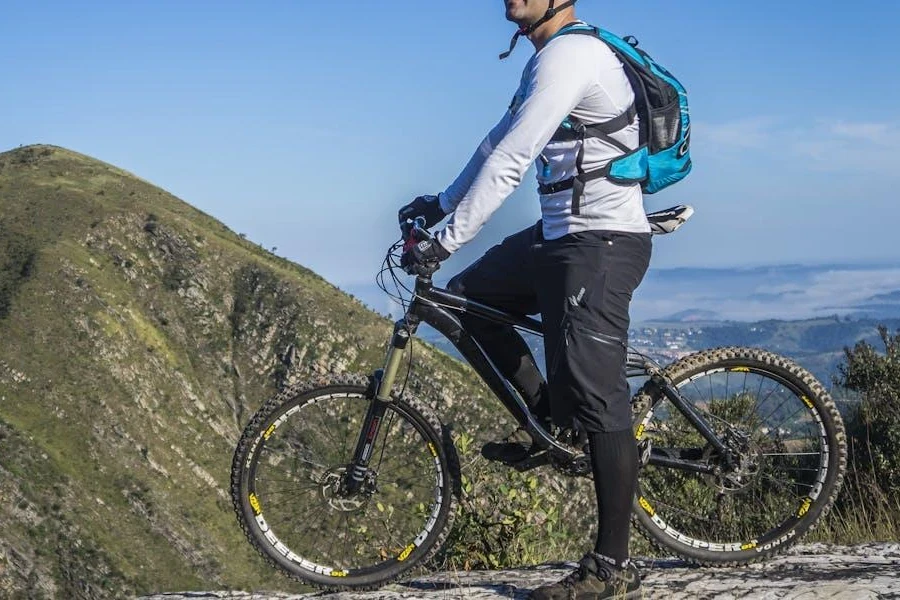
(419, 231)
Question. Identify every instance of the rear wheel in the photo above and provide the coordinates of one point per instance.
(288, 478)
(792, 457)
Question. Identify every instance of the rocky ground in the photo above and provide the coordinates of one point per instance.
(813, 571)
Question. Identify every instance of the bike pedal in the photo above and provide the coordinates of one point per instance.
(532, 462)
(645, 448)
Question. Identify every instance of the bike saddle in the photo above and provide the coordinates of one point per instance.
(670, 219)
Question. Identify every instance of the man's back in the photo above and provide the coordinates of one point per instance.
(606, 94)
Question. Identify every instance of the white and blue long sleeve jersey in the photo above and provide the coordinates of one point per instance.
(573, 75)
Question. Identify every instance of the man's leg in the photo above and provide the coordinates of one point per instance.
(503, 278)
(586, 283)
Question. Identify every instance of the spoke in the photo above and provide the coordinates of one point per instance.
(799, 469)
(783, 402)
(323, 428)
(312, 518)
(791, 454)
(692, 514)
(694, 383)
(326, 440)
(427, 488)
(270, 505)
(280, 480)
(787, 483)
(292, 490)
(309, 462)
(384, 439)
(294, 484)
(347, 435)
(726, 384)
(377, 539)
(346, 535)
(791, 416)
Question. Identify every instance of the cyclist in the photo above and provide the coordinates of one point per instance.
(577, 267)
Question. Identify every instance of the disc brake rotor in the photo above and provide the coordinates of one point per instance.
(332, 493)
(731, 480)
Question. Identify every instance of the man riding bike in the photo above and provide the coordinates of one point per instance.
(577, 267)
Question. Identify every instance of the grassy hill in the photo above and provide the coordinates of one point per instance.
(137, 335)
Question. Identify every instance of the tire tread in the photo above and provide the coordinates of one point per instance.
(354, 380)
(824, 401)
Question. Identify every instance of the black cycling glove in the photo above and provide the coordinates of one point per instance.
(424, 258)
(423, 206)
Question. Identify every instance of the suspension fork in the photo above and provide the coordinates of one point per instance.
(379, 392)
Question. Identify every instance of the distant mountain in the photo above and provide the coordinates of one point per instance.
(807, 312)
(687, 316)
(786, 292)
(889, 298)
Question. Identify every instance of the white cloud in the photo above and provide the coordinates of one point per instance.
(754, 295)
(752, 132)
(822, 144)
(875, 133)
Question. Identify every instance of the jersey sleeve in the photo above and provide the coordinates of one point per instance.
(454, 194)
(554, 83)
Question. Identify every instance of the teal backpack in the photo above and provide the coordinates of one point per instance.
(663, 156)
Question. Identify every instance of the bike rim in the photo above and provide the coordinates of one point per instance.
(759, 507)
(292, 469)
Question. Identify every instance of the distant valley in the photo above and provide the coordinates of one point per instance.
(809, 313)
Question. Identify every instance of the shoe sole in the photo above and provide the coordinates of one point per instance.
(633, 595)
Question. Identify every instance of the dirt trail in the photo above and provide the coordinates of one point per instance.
(812, 571)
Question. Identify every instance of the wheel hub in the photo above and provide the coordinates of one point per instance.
(335, 494)
(730, 479)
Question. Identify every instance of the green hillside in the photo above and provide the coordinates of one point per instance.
(137, 336)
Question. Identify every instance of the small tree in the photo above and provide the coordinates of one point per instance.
(874, 428)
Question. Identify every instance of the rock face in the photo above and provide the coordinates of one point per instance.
(814, 571)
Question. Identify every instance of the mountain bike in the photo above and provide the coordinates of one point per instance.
(350, 482)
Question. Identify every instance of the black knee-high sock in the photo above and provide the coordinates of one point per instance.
(615, 464)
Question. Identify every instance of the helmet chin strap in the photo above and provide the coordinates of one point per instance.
(529, 29)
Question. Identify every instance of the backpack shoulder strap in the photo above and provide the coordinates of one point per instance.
(578, 27)
(574, 130)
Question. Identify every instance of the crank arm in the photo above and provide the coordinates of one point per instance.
(532, 462)
(545, 441)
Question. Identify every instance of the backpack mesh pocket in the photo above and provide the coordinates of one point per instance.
(664, 132)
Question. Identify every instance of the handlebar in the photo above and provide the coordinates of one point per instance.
(414, 232)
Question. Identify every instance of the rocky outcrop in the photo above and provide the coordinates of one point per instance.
(809, 572)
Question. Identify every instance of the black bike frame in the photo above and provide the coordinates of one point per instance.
(440, 308)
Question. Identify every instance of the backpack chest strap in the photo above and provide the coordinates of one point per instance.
(574, 130)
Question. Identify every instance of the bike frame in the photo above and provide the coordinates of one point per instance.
(441, 309)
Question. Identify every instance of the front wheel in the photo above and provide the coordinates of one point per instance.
(289, 489)
(792, 457)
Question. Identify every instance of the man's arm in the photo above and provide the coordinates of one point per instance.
(452, 196)
(558, 81)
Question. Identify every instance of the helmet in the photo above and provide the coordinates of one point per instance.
(528, 29)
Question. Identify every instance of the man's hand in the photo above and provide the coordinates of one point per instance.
(424, 258)
(423, 206)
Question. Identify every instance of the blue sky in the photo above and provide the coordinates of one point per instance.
(307, 124)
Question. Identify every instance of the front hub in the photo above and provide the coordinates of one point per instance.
(335, 490)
